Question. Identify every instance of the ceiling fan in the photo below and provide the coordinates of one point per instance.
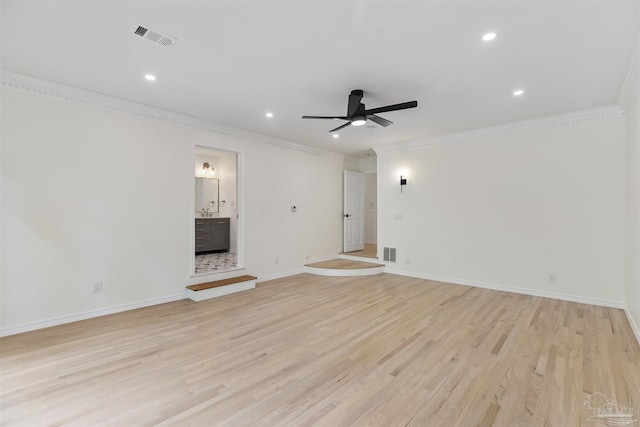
(357, 115)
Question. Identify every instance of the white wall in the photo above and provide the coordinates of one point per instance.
(629, 101)
(508, 209)
(95, 194)
(229, 193)
(370, 208)
(364, 164)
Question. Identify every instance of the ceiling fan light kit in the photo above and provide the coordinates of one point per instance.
(357, 114)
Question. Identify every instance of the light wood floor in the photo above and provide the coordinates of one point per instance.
(338, 351)
(369, 251)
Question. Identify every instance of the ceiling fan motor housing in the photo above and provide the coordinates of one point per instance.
(357, 114)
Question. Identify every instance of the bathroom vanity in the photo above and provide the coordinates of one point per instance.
(212, 234)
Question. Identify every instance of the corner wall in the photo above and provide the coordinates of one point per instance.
(629, 101)
(93, 193)
(513, 209)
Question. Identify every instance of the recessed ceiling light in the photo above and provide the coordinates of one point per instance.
(150, 77)
(489, 36)
(268, 114)
(336, 136)
(518, 92)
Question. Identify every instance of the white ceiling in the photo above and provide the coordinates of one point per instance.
(236, 60)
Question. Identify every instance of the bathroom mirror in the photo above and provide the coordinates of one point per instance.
(206, 195)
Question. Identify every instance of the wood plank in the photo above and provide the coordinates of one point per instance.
(223, 282)
(377, 350)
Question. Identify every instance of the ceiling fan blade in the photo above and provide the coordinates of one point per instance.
(379, 120)
(354, 102)
(340, 127)
(326, 117)
(394, 107)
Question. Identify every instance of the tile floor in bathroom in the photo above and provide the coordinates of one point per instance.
(218, 261)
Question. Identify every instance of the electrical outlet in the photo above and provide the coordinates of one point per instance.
(277, 260)
(408, 261)
(307, 256)
(552, 278)
(97, 287)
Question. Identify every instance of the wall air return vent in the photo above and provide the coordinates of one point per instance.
(153, 36)
(389, 254)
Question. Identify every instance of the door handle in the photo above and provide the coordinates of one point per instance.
(346, 215)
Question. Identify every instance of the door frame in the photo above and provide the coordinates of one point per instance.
(371, 172)
(192, 278)
(347, 211)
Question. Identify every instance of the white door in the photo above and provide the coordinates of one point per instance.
(353, 211)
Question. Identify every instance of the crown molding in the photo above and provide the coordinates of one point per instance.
(631, 84)
(72, 94)
(105, 102)
(543, 122)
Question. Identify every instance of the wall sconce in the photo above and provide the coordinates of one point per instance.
(207, 168)
(403, 182)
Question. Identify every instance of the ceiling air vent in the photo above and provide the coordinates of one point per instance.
(153, 35)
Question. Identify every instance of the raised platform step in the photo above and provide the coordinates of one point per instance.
(344, 267)
(218, 288)
(212, 276)
(348, 256)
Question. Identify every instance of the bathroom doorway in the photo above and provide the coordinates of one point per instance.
(216, 219)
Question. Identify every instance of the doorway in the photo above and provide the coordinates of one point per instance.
(216, 233)
(360, 213)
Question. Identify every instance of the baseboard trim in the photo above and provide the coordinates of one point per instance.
(503, 288)
(321, 259)
(41, 324)
(279, 275)
(634, 325)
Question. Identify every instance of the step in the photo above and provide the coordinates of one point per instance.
(212, 276)
(343, 255)
(344, 267)
(218, 288)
